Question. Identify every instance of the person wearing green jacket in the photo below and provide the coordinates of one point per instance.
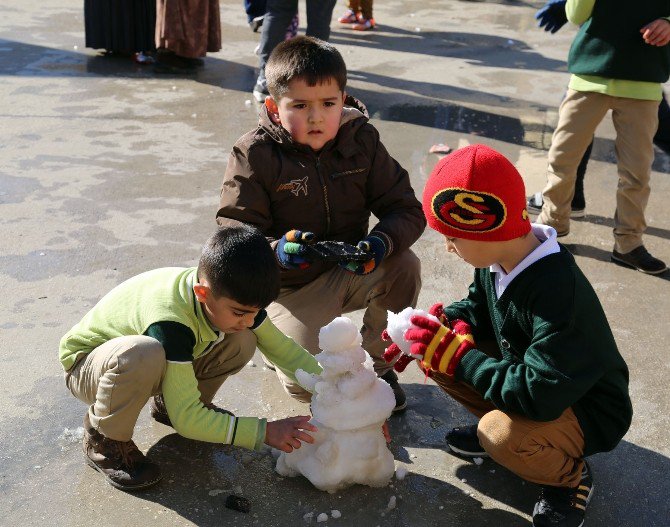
(176, 334)
(618, 61)
(529, 351)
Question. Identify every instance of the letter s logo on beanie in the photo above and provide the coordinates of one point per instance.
(469, 210)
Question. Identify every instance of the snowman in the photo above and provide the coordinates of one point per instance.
(349, 406)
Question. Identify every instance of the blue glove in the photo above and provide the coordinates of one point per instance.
(552, 16)
(377, 249)
(291, 249)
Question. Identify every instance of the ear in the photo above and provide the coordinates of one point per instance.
(202, 292)
(344, 97)
(273, 110)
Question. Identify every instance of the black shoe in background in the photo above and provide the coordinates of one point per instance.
(564, 506)
(464, 441)
(641, 260)
(400, 399)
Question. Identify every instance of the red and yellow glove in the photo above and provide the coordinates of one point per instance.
(392, 352)
(441, 347)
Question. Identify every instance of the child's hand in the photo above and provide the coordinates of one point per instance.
(291, 249)
(657, 33)
(377, 250)
(287, 434)
(385, 431)
(441, 347)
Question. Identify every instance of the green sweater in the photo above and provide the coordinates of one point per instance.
(161, 304)
(557, 350)
(609, 55)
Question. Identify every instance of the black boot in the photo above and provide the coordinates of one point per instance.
(564, 506)
(400, 399)
(464, 441)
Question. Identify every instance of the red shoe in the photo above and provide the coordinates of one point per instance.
(363, 24)
(349, 17)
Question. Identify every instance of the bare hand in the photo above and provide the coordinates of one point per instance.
(287, 434)
(385, 431)
(657, 33)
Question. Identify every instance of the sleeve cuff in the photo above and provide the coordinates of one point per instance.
(469, 365)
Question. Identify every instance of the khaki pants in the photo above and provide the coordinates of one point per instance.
(635, 121)
(301, 312)
(117, 378)
(547, 453)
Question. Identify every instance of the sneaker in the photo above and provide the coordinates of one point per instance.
(260, 92)
(256, 23)
(564, 506)
(400, 399)
(535, 202)
(641, 260)
(363, 24)
(464, 441)
(158, 411)
(122, 464)
(349, 17)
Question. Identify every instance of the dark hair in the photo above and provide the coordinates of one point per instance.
(239, 263)
(307, 58)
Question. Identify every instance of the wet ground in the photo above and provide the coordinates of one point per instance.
(107, 170)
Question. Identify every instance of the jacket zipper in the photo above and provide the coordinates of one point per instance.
(325, 193)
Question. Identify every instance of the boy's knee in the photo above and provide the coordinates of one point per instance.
(145, 359)
(403, 273)
(298, 392)
(495, 432)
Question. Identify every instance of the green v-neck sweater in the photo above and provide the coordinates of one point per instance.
(556, 346)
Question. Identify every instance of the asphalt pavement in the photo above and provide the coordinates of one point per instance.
(108, 169)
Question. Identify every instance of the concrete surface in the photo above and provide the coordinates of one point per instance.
(107, 170)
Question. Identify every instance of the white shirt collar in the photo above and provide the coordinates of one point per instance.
(548, 245)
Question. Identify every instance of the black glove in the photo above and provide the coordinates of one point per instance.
(552, 16)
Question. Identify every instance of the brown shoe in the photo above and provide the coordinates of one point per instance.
(122, 464)
(158, 411)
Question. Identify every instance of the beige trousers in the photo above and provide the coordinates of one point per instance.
(117, 378)
(635, 122)
(547, 453)
(301, 312)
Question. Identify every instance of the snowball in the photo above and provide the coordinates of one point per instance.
(349, 406)
(478, 460)
(398, 324)
(335, 513)
(400, 473)
(391, 504)
(323, 517)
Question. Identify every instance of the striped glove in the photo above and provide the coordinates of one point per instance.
(441, 347)
(291, 249)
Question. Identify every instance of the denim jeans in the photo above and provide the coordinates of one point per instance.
(277, 18)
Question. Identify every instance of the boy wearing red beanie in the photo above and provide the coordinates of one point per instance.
(553, 387)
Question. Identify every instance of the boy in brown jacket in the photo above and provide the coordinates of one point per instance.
(315, 168)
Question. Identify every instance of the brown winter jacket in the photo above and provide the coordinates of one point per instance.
(278, 185)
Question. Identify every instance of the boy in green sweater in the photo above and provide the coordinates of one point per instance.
(618, 61)
(550, 387)
(176, 334)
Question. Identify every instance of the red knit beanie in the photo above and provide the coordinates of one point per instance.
(475, 193)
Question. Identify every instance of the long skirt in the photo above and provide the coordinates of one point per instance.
(120, 25)
(189, 28)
